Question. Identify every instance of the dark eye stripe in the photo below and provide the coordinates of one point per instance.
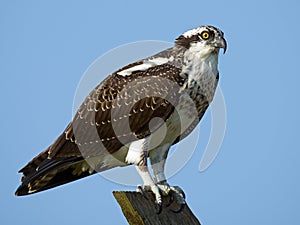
(186, 40)
(194, 38)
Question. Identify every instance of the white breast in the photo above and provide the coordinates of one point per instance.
(201, 71)
(201, 67)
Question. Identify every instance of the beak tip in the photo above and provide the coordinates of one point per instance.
(221, 43)
(224, 46)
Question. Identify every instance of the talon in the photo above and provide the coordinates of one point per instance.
(179, 210)
(177, 195)
(182, 193)
(141, 190)
(159, 208)
(178, 190)
(171, 199)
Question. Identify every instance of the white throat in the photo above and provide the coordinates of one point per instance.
(201, 67)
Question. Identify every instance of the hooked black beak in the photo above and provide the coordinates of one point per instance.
(221, 43)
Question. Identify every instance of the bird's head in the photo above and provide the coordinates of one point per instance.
(204, 40)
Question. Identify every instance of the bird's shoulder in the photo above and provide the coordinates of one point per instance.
(119, 109)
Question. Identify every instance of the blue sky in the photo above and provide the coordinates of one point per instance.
(45, 47)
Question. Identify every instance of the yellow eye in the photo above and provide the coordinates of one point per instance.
(205, 35)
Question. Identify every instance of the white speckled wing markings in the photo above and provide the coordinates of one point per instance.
(96, 133)
(119, 110)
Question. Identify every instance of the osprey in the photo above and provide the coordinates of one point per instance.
(137, 112)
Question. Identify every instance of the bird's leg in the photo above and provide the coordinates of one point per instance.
(149, 185)
(158, 160)
(137, 154)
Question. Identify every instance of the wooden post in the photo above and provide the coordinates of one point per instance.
(139, 210)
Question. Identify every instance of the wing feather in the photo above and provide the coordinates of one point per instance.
(117, 112)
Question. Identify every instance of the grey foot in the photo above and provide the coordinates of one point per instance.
(155, 190)
(175, 193)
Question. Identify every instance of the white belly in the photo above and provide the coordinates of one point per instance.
(179, 122)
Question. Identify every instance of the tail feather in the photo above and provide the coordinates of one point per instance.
(45, 171)
(57, 172)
